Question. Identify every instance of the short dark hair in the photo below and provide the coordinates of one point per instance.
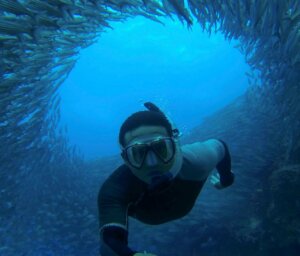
(144, 118)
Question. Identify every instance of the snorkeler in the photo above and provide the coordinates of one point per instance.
(159, 180)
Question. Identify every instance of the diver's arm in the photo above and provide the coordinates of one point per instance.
(204, 157)
(113, 227)
(114, 199)
(114, 242)
(224, 167)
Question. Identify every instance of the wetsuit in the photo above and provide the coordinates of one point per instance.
(123, 194)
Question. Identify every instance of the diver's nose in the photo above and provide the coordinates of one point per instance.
(151, 158)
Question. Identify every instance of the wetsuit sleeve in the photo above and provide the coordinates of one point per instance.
(224, 167)
(113, 203)
(204, 156)
(114, 241)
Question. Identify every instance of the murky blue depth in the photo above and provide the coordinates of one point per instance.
(48, 192)
(187, 73)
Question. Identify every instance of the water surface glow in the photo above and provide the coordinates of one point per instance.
(187, 73)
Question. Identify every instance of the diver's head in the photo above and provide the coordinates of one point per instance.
(150, 146)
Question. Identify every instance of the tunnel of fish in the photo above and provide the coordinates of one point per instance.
(39, 45)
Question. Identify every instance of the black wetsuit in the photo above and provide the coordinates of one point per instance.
(123, 194)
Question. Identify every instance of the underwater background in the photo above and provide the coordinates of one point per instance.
(137, 62)
(73, 70)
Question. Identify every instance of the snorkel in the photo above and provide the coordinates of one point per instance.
(160, 181)
(152, 107)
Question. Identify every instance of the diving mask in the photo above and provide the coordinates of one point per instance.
(136, 153)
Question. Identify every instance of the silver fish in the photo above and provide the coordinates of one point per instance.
(14, 27)
(46, 21)
(15, 7)
(4, 38)
(43, 6)
(180, 10)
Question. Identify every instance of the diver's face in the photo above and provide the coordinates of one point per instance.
(152, 165)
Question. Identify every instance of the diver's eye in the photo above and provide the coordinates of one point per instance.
(136, 154)
(160, 148)
(164, 149)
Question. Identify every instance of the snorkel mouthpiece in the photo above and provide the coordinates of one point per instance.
(159, 182)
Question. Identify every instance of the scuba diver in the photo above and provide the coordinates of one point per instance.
(159, 180)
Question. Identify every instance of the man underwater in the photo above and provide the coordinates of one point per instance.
(159, 180)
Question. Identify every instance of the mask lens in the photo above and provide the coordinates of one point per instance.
(136, 155)
(164, 148)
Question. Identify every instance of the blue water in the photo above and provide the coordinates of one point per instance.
(187, 73)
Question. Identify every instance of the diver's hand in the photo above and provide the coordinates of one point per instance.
(215, 181)
(143, 254)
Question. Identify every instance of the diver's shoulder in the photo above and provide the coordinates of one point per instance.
(121, 184)
(121, 172)
(119, 177)
(122, 176)
(198, 146)
(198, 158)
